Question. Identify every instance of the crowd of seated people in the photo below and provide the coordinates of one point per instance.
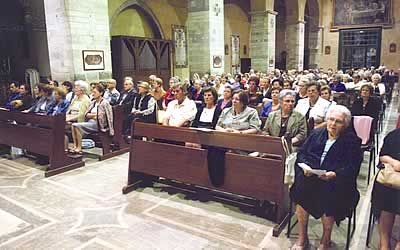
(285, 100)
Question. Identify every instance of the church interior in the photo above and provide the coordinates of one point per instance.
(186, 124)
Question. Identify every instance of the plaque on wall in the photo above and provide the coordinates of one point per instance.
(392, 48)
(327, 50)
(93, 59)
(5, 66)
(217, 61)
(180, 42)
(362, 13)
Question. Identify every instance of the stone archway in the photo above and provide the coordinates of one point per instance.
(144, 10)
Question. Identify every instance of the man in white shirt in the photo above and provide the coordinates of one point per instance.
(181, 111)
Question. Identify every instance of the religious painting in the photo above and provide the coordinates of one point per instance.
(235, 46)
(327, 50)
(392, 48)
(217, 61)
(180, 46)
(349, 13)
(93, 59)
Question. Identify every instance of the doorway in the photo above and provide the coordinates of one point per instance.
(359, 48)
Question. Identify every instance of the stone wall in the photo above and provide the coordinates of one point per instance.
(74, 26)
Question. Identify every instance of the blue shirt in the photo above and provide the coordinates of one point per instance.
(340, 87)
(11, 98)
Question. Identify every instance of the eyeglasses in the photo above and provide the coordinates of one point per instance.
(334, 120)
(289, 101)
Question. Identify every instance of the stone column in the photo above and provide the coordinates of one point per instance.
(295, 45)
(315, 46)
(205, 26)
(262, 41)
(74, 26)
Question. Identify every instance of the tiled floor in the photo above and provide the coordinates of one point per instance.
(85, 209)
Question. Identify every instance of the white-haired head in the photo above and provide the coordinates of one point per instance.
(84, 86)
(342, 110)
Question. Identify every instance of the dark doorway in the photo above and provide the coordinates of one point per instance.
(245, 65)
(139, 58)
(359, 48)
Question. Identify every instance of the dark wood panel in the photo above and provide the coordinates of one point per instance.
(187, 165)
(272, 145)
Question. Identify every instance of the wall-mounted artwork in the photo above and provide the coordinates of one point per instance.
(180, 42)
(327, 50)
(93, 59)
(392, 48)
(349, 13)
(235, 45)
(217, 61)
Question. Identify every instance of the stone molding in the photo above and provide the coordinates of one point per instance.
(263, 13)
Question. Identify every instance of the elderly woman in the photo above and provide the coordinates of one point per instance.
(386, 200)
(286, 120)
(378, 86)
(143, 106)
(60, 105)
(273, 105)
(79, 104)
(182, 110)
(98, 118)
(239, 118)
(337, 150)
(314, 106)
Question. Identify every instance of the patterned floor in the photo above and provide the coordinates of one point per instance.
(85, 209)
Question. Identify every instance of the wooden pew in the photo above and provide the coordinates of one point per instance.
(39, 134)
(261, 179)
(114, 145)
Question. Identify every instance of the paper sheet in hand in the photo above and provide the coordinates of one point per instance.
(203, 129)
(318, 172)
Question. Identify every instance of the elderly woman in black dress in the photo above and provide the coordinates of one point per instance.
(386, 200)
(336, 149)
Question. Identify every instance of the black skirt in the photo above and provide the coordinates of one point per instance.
(386, 199)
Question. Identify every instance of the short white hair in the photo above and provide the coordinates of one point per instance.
(376, 75)
(340, 109)
(83, 85)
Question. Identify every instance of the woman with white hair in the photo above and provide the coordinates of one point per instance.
(79, 104)
(379, 87)
(286, 120)
(330, 196)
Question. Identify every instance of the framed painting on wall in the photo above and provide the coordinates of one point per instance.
(93, 59)
(361, 13)
(180, 45)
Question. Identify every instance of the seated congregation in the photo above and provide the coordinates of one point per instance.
(313, 110)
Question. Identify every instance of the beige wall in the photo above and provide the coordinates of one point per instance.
(331, 38)
(236, 23)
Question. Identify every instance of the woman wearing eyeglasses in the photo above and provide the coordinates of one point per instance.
(330, 196)
(286, 120)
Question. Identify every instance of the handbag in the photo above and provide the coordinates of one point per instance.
(389, 177)
(289, 162)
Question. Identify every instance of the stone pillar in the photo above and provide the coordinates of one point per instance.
(295, 45)
(262, 41)
(74, 26)
(205, 26)
(315, 46)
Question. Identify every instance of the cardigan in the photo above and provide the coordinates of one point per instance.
(296, 125)
(104, 116)
(83, 106)
(337, 196)
(196, 121)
